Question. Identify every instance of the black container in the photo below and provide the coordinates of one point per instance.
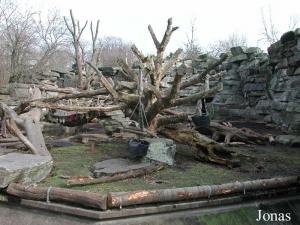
(201, 121)
(137, 148)
(209, 99)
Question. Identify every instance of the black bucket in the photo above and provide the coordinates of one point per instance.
(137, 148)
(201, 121)
(209, 99)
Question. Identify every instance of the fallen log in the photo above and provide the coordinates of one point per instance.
(59, 90)
(87, 199)
(120, 199)
(24, 105)
(229, 134)
(30, 122)
(7, 140)
(207, 149)
(78, 108)
(9, 144)
(11, 125)
(79, 181)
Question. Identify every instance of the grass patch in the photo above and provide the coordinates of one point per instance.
(76, 161)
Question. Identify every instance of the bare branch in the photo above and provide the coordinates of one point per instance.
(105, 82)
(80, 31)
(138, 54)
(171, 62)
(167, 35)
(154, 38)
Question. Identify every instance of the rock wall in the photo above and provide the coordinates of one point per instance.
(245, 82)
(263, 87)
(284, 84)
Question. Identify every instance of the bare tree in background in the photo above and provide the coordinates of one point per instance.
(76, 32)
(18, 38)
(52, 36)
(270, 33)
(294, 22)
(94, 53)
(94, 42)
(110, 49)
(223, 46)
(192, 47)
(30, 43)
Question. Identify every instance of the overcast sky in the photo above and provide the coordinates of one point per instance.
(215, 20)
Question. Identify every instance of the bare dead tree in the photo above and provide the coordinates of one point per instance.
(232, 40)
(270, 33)
(294, 22)
(18, 38)
(94, 56)
(76, 32)
(52, 37)
(94, 40)
(192, 48)
(110, 49)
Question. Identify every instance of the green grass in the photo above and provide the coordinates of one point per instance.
(243, 216)
(76, 160)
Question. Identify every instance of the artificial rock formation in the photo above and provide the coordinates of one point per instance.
(263, 87)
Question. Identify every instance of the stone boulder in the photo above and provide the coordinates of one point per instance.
(290, 140)
(26, 169)
(161, 150)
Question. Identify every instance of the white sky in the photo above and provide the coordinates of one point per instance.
(215, 20)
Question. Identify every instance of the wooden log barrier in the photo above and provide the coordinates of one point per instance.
(119, 199)
(87, 199)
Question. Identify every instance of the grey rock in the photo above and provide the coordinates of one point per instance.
(297, 32)
(288, 36)
(231, 83)
(236, 50)
(238, 58)
(293, 107)
(297, 71)
(278, 106)
(235, 99)
(112, 166)
(253, 50)
(298, 44)
(290, 140)
(294, 60)
(161, 150)
(23, 168)
(254, 87)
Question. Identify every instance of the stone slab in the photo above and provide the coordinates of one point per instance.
(118, 165)
(23, 168)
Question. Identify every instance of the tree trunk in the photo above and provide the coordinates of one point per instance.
(207, 149)
(87, 199)
(235, 134)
